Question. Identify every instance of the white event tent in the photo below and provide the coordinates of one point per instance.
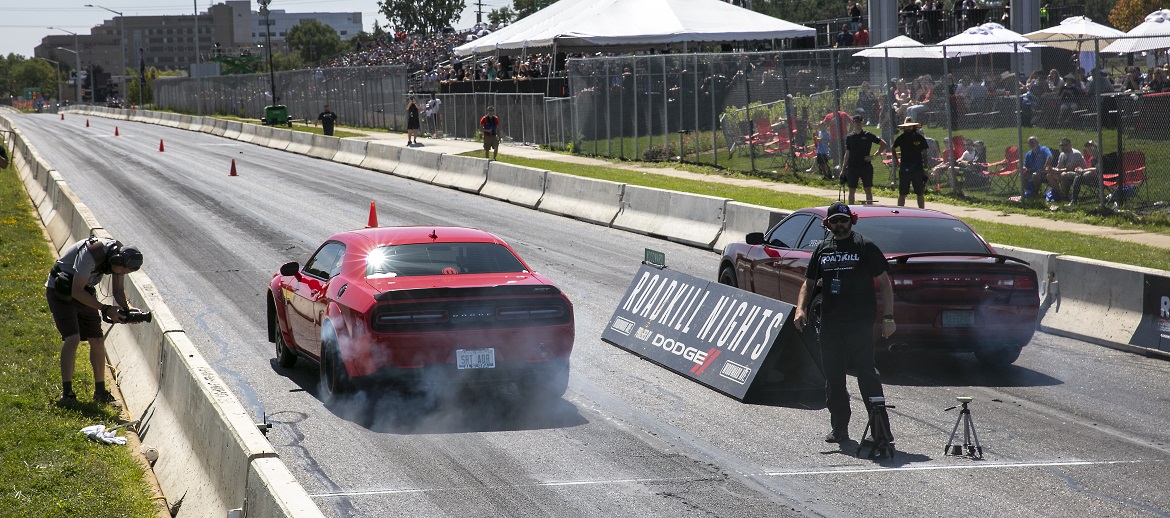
(612, 25)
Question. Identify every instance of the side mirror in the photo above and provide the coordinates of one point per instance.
(755, 238)
(291, 269)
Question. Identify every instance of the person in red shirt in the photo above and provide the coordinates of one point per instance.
(489, 125)
(839, 124)
(861, 38)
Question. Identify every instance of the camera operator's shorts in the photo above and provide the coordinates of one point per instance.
(863, 172)
(73, 317)
(491, 142)
(911, 175)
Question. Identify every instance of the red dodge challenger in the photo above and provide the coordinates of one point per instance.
(443, 305)
(952, 291)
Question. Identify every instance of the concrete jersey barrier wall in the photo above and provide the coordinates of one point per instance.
(381, 157)
(687, 218)
(351, 152)
(233, 129)
(581, 198)
(211, 454)
(324, 147)
(743, 218)
(461, 172)
(514, 184)
(418, 165)
(299, 142)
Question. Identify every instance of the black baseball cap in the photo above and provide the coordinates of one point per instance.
(839, 209)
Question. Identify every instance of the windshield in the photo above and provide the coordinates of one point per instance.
(441, 259)
(901, 235)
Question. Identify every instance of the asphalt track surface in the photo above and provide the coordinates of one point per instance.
(1072, 429)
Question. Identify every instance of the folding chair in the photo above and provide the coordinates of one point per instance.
(760, 137)
(1000, 180)
(1127, 185)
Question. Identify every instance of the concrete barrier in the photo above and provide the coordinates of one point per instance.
(232, 129)
(418, 165)
(299, 142)
(323, 147)
(212, 457)
(351, 152)
(170, 120)
(219, 127)
(514, 184)
(586, 199)
(742, 218)
(247, 133)
(196, 124)
(461, 172)
(687, 218)
(185, 122)
(382, 157)
(263, 136)
(1098, 302)
(1044, 263)
(279, 138)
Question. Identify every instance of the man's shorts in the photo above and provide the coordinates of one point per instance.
(491, 142)
(73, 317)
(911, 175)
(862, 172)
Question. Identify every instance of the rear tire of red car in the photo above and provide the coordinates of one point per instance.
(334, 379)
(544, 387)
(998, 356)
(727, 277)
(284, 356)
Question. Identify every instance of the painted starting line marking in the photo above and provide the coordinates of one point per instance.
(534, 484)
(975, 465)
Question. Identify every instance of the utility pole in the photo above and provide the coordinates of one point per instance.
(479, 11)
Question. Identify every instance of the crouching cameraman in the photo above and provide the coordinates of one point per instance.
(76, 310)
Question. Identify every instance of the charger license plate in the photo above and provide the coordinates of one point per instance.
(475, 358)
(958, 318)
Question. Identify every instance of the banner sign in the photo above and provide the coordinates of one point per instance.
(714, 334)
(1154, 330)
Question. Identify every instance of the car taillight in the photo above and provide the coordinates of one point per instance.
(1018, 282)
(529, 312)
(397, 318)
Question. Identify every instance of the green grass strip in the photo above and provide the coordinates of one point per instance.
(48, 467)
(1068, 243)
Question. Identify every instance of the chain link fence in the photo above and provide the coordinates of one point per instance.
(761, 112)
(522, 116)
(373, 97)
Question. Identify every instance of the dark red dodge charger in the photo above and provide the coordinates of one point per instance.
(446, 304)
(952, 291)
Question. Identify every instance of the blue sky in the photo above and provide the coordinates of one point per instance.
(23, 24)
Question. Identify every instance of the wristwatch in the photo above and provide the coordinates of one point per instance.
(889, 318)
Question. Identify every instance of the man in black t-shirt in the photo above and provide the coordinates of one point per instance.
(912, 163)
(842, 274)
(858, 162)
(327, 119)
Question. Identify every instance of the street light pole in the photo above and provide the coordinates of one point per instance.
(77, 54)
(58, 63)
(122, 41)
(268, 47)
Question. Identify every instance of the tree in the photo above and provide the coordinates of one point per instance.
(314, 41)
(1128, 14)
(33, 73)
(282, 62)
(413, 17)
(527, 7)
(501, 16)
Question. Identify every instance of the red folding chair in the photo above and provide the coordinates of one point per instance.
(1127, 185)
(999, 174)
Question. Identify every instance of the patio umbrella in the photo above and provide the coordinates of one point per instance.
(1152, 34)
(902, 47)
(1069, 34)
(989, 38)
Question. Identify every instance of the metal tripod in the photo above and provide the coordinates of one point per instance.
(968, 448)
(881, 443)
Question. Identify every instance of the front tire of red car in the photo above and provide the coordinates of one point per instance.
(284, 356)
(727, 277)
(334, 379)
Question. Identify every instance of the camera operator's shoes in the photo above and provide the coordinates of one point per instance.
(837, 436)
(67, 398)
(104, 397)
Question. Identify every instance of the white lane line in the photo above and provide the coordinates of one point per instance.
(553, 483)
(973, 465)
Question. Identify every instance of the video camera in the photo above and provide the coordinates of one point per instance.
(131, 316)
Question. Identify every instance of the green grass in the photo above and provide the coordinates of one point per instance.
(339, 133)
(1068, 243)
(48, 467)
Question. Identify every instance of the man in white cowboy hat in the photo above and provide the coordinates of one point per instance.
(912, 162)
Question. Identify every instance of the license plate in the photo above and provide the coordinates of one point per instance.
(958, 318)
(475, 358)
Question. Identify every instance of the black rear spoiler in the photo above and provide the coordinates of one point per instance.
(460, 293)
(999, 258)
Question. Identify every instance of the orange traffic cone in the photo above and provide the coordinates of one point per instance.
(62, 116)
(373, 222)
(87, 123)
(116, 131)
(233, 173)
(160, 146)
